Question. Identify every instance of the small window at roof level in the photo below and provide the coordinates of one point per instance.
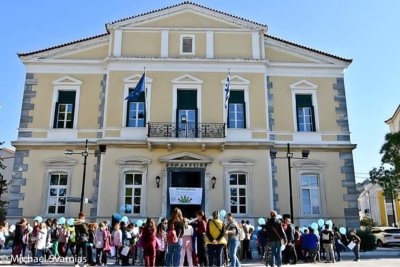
(187, 44)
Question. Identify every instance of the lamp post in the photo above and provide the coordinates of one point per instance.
(289, 156)
(85, 154)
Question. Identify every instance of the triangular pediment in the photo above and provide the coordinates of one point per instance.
(67, 80)
(187, 15)
(136, 77)
(187, 78)
(303, 84)
(186, 157)
(236, 79)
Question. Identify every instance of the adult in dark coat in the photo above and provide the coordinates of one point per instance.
(20, 229)
(275, 234)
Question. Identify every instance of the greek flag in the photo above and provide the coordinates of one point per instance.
(227, 90)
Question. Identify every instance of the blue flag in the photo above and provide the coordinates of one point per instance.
(227, 90)
(140, 87)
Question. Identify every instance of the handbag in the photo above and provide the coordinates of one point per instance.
(282, 241)
(107, 247)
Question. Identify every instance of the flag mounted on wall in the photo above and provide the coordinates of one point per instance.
(140, 87)
(227, 89)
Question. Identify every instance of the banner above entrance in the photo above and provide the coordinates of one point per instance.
(185, 196)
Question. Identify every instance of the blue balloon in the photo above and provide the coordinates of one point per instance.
(222, 213)
(316, 232)
(283, 247)
(124, 219)
(314, 226)
(261, 221)
(61, 220)
(321, 222)
(139, 223)
(259, 228)
(38, 219)
(70, 221)
(108, 223)
(279, 217)
(128, 208)
(117, 216)
(122, 209)
(303, 229)
(342, 230)
(329, 222)
(308, 225)
(30, 229)
(254, 237)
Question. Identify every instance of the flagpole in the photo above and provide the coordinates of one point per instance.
(226, 109)
(145, 99)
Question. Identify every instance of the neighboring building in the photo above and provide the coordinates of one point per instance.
(8, 160)
(374, 205)
(394, 121)
(281, 92)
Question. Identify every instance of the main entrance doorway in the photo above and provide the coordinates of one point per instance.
(186, 179)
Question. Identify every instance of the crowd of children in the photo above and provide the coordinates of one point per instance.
(175, 242)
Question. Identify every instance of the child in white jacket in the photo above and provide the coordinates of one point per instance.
(41, 243)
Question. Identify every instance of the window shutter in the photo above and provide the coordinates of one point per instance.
(187, 43)
(55, 115)
(314, 128)
(303, 101)
(236, 96)
(244, 115)
(177, 123)
(297, 117)
(228, 116)
(66, 97)
(187, 99)
(196, 123)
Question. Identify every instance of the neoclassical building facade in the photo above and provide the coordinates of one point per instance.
(177, 145)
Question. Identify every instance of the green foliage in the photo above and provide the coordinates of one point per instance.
(368, 240)
(368, 223)
(389, 178)
(3, 189)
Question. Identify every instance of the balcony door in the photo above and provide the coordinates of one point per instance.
(186, 114)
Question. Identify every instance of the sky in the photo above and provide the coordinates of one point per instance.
(366, 31)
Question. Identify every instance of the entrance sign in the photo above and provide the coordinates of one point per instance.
(185, 196)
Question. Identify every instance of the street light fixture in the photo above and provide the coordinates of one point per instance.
(158, 179)
(85, 154)
(289, 155)
(213, 181)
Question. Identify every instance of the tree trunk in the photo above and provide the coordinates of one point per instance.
(394, 212)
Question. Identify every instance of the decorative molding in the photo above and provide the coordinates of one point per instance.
(164, 43)
(181, 79)
(309, 164)
(67, 80)
(314, 97)
(185, 157)
(134, 161)
(73, 48)
(237, 162)
(117, 43)
(230, 20)
(59, 161)
(136, 77)
(210, 44)
(303, 84)
(236, 80)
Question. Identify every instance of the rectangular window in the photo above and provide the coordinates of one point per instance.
(187, 44)
(64, 110)
(238, 193)
(57, 194)
(236, 111)
(136, 113)
(310, 195)
(133, 190)
(305, 113)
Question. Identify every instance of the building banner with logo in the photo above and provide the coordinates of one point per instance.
(185, 196)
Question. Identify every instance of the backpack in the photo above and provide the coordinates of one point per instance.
(326, 236)
(172, 238)
(242, 234)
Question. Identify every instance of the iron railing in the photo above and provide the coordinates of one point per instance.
(186, 130)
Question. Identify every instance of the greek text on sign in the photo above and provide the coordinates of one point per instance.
(185, 196)
(187, 165)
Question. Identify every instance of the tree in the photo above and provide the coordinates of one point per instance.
(368, 223)
(3, 189)
(389, 178)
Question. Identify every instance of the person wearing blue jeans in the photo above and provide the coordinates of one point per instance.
(215, 239)
(275, 234)
(175, 223)
(174, 249)
(232, 229)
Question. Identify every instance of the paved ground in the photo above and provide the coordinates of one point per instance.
(385, 257)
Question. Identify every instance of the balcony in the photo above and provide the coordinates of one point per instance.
(186, 134)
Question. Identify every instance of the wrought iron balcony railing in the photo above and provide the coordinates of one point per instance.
(186, 130)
